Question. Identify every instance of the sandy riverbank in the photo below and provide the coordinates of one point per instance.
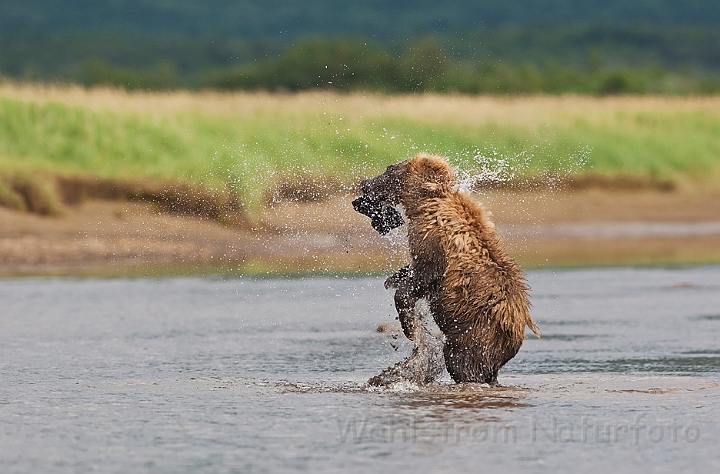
(590, 227)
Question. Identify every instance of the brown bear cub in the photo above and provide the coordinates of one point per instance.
(477, 294)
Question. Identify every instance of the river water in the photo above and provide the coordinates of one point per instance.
(266, 375)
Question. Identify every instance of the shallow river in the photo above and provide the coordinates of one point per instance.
(246, 375)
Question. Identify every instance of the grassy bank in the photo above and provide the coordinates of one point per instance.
(249, 142)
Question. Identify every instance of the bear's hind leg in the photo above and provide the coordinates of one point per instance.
(465, 366)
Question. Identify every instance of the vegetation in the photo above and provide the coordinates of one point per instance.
(263, 18)
(579, 46)
(247, 142)
(427, 66)
(580, 59)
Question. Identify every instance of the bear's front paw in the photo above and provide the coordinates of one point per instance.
(394, 281)
(391, 283)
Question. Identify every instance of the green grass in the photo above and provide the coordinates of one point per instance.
(658, 144)
(248, 152)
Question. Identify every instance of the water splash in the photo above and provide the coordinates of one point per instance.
(518, 171)
(513, 185)
(426, 362)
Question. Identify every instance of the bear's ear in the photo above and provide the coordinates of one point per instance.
(433, 170)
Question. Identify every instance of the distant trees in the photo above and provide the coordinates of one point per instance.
(314, 63)
(427, 66)
(586, 59)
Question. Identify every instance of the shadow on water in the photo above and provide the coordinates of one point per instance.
(463, 397)
(438, 400)
(455, 413)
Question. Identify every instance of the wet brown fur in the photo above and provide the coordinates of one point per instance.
(477, 293)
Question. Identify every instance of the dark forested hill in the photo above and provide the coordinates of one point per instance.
(463, 45)
(253, 18)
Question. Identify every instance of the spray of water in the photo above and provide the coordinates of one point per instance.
(518, 171)
(426, 363)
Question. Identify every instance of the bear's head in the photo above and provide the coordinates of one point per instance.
(422, 176)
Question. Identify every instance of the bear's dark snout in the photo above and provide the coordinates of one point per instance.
(383, 218)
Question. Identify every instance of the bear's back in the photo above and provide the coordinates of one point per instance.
(483, 289)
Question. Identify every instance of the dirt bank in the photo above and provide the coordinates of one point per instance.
(594, 227)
